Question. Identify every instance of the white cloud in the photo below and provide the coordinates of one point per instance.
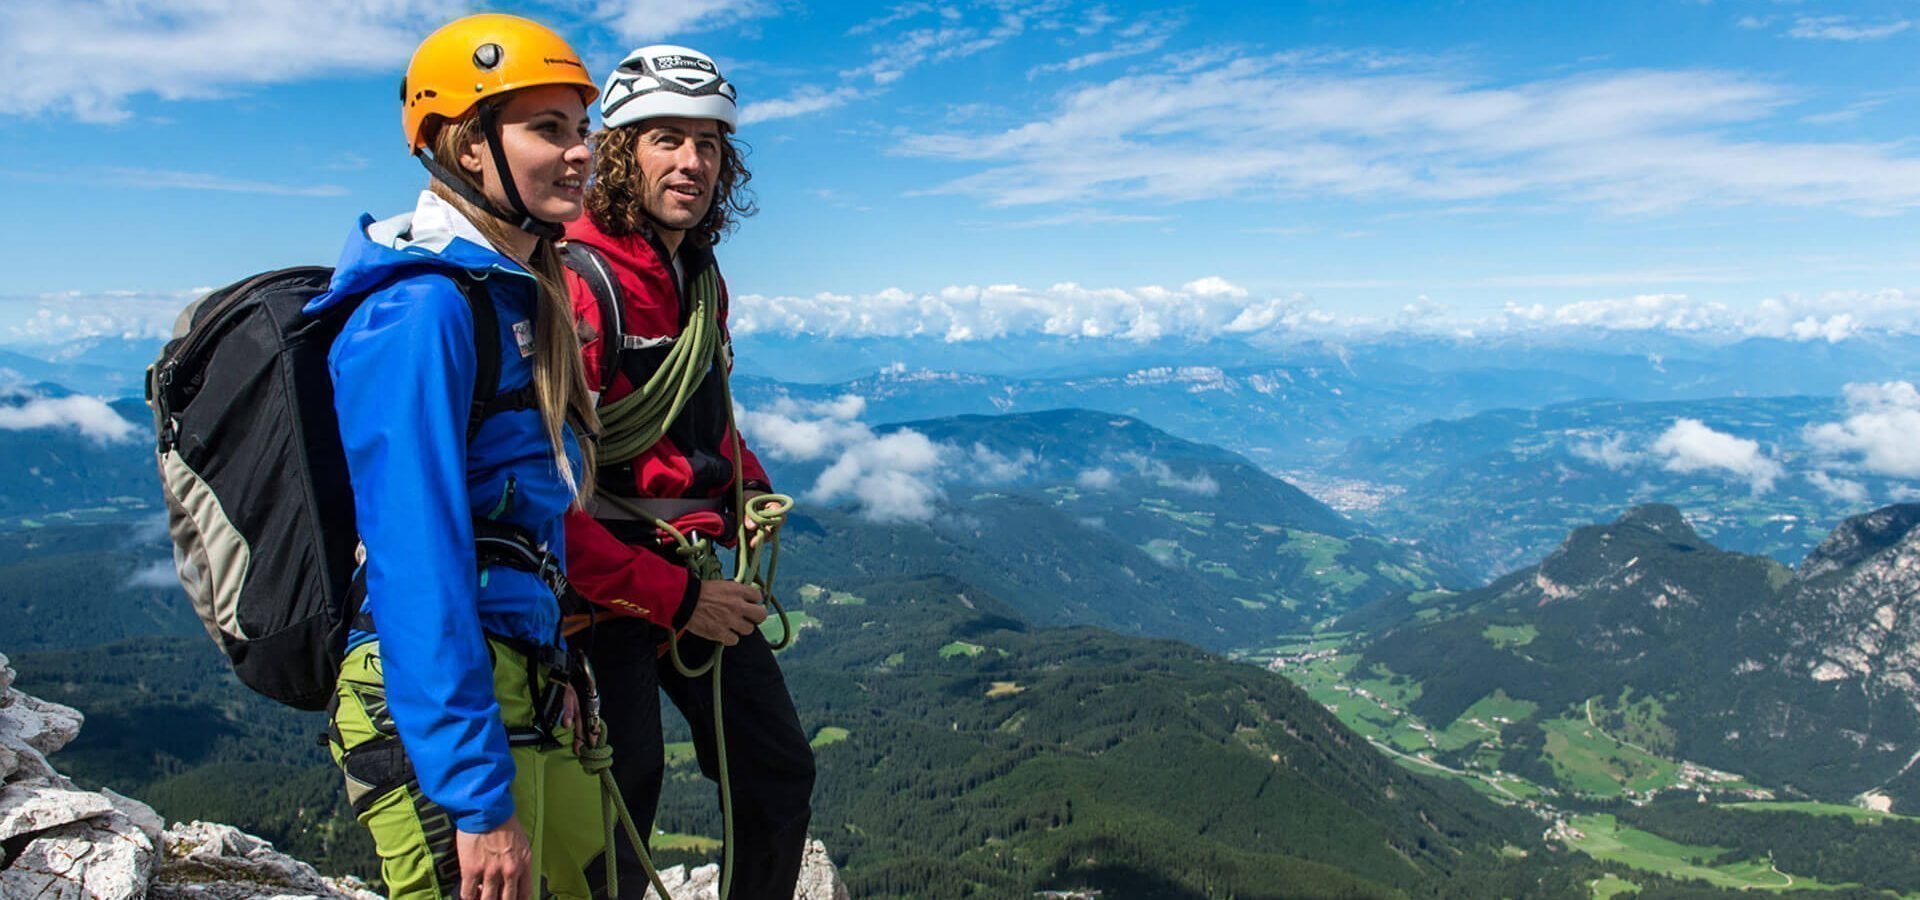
(87, 58)
(1341, 125)
(1882, 430)
(1691, 446)
(802, 102)
(1140, 38)
(161, 575)
(892, 478)
(1844, 28)
(1099, 478)
(1834, 316)
(1669, 312)
(790, 430)
(1843, 489)
(1610, 451)
(992, 467)
(52, 318)
(90, 416)
(1204, 308)
(647, 20)
(1200, 482)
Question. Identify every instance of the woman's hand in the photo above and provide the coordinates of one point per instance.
(497, 864)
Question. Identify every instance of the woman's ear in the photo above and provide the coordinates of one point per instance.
(473, 159)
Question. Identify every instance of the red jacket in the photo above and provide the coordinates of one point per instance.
(693, 460)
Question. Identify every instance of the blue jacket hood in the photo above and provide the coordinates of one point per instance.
(432, 238)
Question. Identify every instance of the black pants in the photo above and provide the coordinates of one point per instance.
(769, 762)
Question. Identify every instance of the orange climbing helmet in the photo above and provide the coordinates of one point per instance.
(479, 57)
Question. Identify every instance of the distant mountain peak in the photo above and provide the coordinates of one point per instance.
(1663, 519)
(1860, 538)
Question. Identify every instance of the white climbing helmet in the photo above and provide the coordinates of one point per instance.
(667, 80)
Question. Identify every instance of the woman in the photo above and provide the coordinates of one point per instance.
(459, 486)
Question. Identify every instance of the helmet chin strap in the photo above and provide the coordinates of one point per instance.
(520, 217)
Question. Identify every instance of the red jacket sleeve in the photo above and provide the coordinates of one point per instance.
(626, 580)
(586, 326)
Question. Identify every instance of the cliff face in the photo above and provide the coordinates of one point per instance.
(58, 842)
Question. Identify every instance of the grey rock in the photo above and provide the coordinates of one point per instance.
(6, 678)
(819, 879)
(106, 857)
(210, 860)
(36, 723)
(27, 807)
(140, 813)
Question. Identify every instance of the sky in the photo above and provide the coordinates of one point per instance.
(969, 170)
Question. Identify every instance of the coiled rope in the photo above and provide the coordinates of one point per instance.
(632, 424)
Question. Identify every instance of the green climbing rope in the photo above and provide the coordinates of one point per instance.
(636, 422)
(597, 758)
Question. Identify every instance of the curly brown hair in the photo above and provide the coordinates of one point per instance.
(615, 206)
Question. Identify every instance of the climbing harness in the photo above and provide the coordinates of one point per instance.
(636, 422)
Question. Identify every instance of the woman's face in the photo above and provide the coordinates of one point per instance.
(544, 133)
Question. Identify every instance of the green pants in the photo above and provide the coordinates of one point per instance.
(556, 801)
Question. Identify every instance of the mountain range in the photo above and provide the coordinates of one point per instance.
(1800, 679)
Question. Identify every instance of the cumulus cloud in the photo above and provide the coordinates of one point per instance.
(1158, 471)
(90, 416)
(1610, 451)
(1843, 489)
(1881, 434)
(1834, 316)
(1202, 308)
(1690, 446)
(154, 575)
(993, 467)
(1349, 125)
(1669, 312)
(787, 429)
(1099, 478)
(87, 58)
(892, 478)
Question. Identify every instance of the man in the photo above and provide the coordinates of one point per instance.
(666, 188)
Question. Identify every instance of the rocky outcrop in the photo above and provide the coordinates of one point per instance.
(1859, 539)
(64, 842)
(209, 861)
(58, 842)
(819, 879)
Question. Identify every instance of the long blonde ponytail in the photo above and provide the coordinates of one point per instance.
(559, 380)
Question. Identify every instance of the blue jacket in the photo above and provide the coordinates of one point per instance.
(403, 373)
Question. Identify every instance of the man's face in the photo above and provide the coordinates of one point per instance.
(679, 163)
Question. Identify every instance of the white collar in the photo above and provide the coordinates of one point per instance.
(433, 224)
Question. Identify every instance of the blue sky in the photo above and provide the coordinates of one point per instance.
(970, 169)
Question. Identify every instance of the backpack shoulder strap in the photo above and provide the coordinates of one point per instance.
(487, 399)
(594, 269)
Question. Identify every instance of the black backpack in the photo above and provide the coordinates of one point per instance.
(258, 502)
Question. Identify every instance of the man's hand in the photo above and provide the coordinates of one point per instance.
(755, 534)
(495, 865)
(727, 610)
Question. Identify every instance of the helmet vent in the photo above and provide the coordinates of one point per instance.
(487, 57)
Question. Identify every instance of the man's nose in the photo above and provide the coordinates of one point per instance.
(688, 157)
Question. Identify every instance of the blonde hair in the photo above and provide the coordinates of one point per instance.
(559, 380)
